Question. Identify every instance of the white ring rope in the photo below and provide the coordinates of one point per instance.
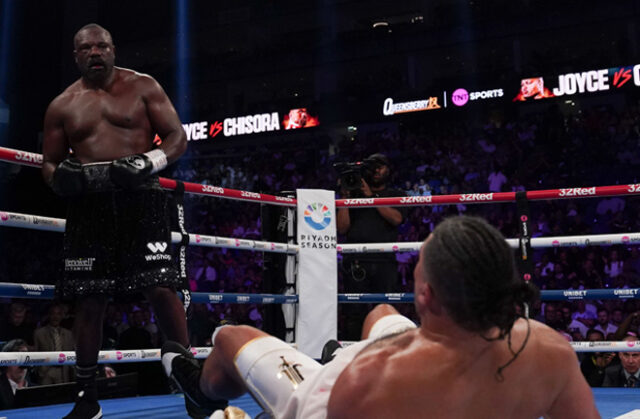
(537, 242)
(149, 355)
(35, 222)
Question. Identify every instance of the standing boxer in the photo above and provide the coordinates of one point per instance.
(98, 153)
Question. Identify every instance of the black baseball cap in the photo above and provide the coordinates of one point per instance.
(379, 158)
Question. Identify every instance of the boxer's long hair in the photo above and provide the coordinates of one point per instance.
(471, 270)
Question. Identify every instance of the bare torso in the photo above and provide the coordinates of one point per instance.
(103, 125)
(417, 375)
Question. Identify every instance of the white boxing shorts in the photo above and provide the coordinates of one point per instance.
(289, 384)
(272, 371)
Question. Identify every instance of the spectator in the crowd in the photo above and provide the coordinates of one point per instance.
(13, 377)
(54, 338)
(112, 320)
(590, 276)
(151, 327)
(16, 326)
(576, 328)
(545, 265)
(629, 326)
(496, 180)
(617, 317)
(201, 326)
(150, 379)
(613, 265)
(627, 373)
(604, 325)
(136, 336)
(585, 313)
(593, 364)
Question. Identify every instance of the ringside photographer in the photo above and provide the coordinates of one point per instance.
(370, 273)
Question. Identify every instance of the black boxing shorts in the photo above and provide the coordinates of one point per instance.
(118, 241)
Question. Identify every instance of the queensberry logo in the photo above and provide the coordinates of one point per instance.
(317, 216)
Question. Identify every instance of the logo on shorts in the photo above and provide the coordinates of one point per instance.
(79, 264)
(317, 216)
(158, 249)
(291, 372)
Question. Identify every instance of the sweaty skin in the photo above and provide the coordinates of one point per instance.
(443, 371)
(108, 113)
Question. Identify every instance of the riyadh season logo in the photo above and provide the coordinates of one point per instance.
(317, 216)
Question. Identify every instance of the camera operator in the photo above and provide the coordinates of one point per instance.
(368, 273)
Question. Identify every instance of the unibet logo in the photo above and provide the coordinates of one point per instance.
(157, 247)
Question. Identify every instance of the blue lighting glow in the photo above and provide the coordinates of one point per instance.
(183, 73)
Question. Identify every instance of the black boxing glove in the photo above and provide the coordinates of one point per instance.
(68, 178)
(129, 172)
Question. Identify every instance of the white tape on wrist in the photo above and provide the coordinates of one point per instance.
(158, 159)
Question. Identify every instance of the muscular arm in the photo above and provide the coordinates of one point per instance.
(164, 120)
(55, 146)
(343, 221)
(351, 395)
(624, 326)
(576, 398)
(392, 215)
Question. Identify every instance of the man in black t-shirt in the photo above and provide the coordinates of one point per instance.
(370, 273)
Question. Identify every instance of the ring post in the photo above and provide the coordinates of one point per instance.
(317, 271)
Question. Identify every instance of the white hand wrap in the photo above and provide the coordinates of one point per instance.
(158, 160)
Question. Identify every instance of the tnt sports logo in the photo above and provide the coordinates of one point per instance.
(194, 351)
(317, 215)
(460, 97)
(4, 216)
(61, 358)
(555, 243)
(118, 355)
(625, 239)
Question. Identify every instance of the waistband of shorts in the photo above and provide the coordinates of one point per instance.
(98, 179)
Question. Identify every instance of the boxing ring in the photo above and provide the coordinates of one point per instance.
(611, 402)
